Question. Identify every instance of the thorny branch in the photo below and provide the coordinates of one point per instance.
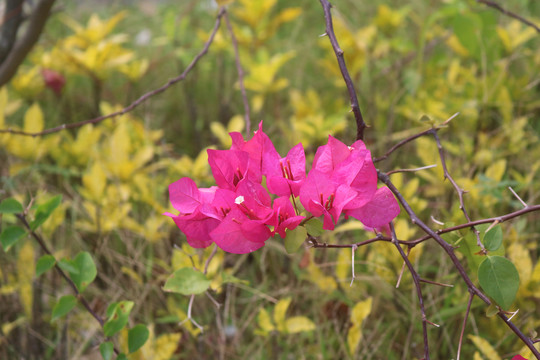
(360, 124)
(459, 190)
(416, 280)
(137, 102)
(449, 249)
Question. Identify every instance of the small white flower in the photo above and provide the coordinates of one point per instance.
(239, 200)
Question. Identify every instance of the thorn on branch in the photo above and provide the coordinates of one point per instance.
(517, 197)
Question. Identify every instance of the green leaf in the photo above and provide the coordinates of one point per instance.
(314, 227)
(118, 319)
(121, 356)
(67, 266)
(493, 238)
(294, 239)
(85, 270)
(63, 306)
(44, 211)
(44, 263)
(137, 336)
(10, 206)
(500, 280)
(10, 236)
(228, 278)
(467, 28)
(187, 281)
(107, 350)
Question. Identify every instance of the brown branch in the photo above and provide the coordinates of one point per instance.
(137, 102)
(10, 25)
(459, 190)
(416, 280)
(360, 124)
(500, 219)
(449, 249)
(36, 23)
(509, 13)
(240, 75)
(413, 137)
(469, 303)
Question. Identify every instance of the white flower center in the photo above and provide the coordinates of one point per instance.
(239, 200)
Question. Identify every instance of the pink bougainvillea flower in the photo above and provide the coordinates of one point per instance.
(229, 167)
(197, 227)
(321, 196)
(286, 175)
(53, 80)
(360, 174)
(518, 357)
(284, 216)
(186, 197)
(257, 147)
(379, 211)
(238, 234)
(329, 156)
(253, 200)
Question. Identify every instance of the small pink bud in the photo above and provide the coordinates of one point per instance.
(53, 80)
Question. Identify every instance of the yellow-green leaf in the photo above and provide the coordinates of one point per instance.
(484, 346)
(359, 312)
(279, 313)
(298, 324)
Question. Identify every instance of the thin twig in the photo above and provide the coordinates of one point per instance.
(500, 219)
(411, 170)
(240, 75)
(416, 280)
(509, 13)
(517, 197)
(413, 137)
(436, 283)
(471, 297)
(360, 124)
(449, 249)
(189, 318)
(402, 269)
(137, 102)
(353, 250)
(459, 190)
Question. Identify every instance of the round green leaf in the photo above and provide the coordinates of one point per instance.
(137, 336)
(44, 263)
(493, 238)
(118, 319)
(63, 306)
(294, 239)
(187, 281)
(86, 270)
(107, 350)
(500, 280)
(10, 206)
(314, 227)
(10, 236)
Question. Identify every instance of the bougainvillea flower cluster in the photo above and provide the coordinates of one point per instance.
(240, 214)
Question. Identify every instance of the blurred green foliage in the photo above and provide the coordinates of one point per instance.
(414, 65)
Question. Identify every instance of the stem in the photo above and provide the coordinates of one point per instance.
(137, 102)
(360, 124)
